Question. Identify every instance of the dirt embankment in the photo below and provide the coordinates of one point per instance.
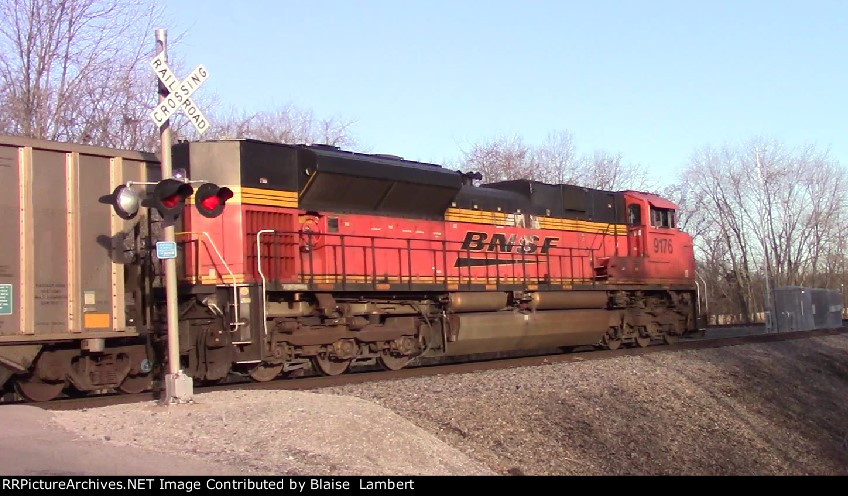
(777, 408)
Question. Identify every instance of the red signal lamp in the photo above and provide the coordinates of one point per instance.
(172, 201)
(169, 197)
(211, 199)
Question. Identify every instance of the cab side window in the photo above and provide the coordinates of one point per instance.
(634, 215)
(663, 218)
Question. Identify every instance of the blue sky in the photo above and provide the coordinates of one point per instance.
(653, 80)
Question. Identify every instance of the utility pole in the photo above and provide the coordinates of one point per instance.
(771, 313)
(178, 386)
(772, 323)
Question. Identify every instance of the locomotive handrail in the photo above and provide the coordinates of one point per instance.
(236, 321)
(262, 275)
(706, 294)
(337, 256)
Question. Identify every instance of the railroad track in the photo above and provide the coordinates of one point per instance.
(358, 377)
(750, 326)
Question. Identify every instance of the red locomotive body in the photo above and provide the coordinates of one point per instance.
(321, 258)
(332, 257)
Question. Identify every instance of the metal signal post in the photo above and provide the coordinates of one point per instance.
(169, 198)
(178, 386)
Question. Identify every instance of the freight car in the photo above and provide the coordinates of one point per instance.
(68, 296)
(323, 258)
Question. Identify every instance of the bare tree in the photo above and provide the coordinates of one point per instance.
(553, 162)
(714, 178)
(761, 210)
(607, 171)
(501, 159)
(286, 124)
(75, 70)
(556, 161)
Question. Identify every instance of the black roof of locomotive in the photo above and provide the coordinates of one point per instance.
(565, 200)
(330, 179)
(341, 181)
(495, 200)
(389, 167)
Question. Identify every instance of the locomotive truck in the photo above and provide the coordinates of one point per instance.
(297, 257)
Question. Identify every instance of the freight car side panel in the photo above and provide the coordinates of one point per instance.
(50, 243)
(62, 274)
(10, 227)
(93, 297)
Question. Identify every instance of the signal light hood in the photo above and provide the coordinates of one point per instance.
(210, 199)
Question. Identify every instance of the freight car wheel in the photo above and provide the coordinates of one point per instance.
(391, 362)
(642, 341)
(330, 366)
(36, 390)
(135, 384)
(670, 339)
(265, 372)
(611, 343)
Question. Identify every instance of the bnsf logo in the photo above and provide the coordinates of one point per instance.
(479, 241)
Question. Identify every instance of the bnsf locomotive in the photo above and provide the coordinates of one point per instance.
(321, 258)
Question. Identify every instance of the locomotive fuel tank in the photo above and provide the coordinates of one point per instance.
(489, 332)
(477, 302)
(561, 300)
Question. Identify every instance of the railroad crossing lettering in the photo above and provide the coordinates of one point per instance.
(179, 93)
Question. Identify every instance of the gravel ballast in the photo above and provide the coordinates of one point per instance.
(776, 408)
(279, 432)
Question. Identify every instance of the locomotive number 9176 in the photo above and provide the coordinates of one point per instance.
(663, 245)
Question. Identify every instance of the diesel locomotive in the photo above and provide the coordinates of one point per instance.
(317, 258)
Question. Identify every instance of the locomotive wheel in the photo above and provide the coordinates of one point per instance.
(642, 341)
(611, 343)
(134, 384)
(391, 362)
(37, 390)
(670, 338)
(265, 372)
(330, 366)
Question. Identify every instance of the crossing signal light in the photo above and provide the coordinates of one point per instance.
(210, 199)
(169, 197)
(124, 201)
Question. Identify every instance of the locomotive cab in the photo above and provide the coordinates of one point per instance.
(656, 247)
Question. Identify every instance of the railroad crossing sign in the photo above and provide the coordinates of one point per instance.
(179, 93)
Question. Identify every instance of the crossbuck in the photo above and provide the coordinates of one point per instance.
(178, 94)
